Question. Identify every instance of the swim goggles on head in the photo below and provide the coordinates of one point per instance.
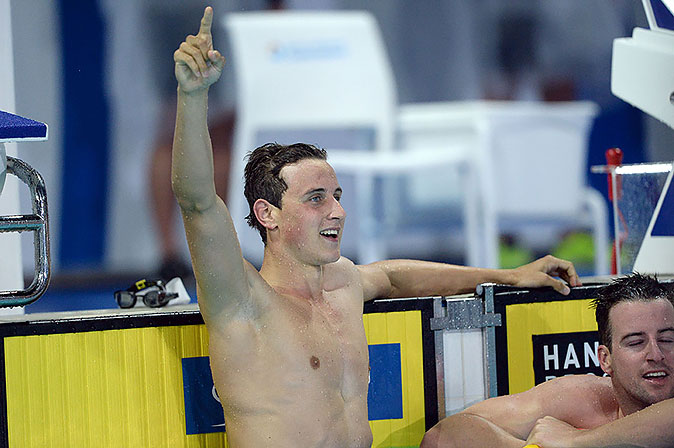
(153, 294)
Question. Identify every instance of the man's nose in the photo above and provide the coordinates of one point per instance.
(337, 210)
(654, 351)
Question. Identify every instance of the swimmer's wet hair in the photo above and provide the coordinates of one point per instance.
(262, 175)
(632, 288)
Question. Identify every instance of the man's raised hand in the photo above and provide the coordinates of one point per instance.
(197, 64)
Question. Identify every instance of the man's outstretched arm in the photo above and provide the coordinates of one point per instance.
(216, 255)
(507, 421)
(468, 430)
(412, 278)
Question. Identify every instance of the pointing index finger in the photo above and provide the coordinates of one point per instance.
(206, 22)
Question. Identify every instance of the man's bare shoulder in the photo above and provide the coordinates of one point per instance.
(584, 401)
(343, 263)
(340, 271)
(246, 302)
(342, 279)
(582, 384)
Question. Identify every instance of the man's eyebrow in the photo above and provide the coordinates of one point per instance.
(641, 333)
(315, 190)
(629, 335)
(320, 190)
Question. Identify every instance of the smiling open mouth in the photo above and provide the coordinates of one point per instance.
(655, 375)
(331, 233)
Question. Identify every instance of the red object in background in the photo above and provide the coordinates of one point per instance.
(614, 157)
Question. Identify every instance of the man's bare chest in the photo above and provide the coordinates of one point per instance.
(295, 345)
(325, 342)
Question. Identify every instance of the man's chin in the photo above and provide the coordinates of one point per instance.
(658, 396)
(333, 257)
(663, 396)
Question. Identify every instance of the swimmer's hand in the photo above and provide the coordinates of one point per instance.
(550, 432)
(542, 272)
(197, 64)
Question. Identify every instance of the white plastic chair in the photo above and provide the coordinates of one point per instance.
(530, 162)
(323, 78)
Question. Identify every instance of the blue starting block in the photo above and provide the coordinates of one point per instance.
(14, 128)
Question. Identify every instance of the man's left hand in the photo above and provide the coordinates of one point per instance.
(542, 272)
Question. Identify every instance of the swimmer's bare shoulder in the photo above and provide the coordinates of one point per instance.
(227, 285)
(344, 275)
(583, 401)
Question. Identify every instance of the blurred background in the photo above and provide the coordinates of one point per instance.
(100, 74)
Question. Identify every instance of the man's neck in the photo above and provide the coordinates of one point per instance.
(291, 277)
(627, 407)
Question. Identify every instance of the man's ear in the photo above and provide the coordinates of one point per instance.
(605, 361)
(263, 212)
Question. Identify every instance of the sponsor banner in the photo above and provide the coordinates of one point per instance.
(535, 330)
(203, 411)
(562, 354)
(385, 392)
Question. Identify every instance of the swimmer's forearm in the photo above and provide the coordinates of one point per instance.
(468, 430)
(192, 175)
(651, 427)
(413, 278)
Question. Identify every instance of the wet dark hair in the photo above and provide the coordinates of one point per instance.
(632, 288)
(262, 175)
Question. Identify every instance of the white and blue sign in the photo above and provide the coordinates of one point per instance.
(308, 51)
(203, 411)
(385, 393)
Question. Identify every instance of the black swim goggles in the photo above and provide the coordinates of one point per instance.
(153, 294)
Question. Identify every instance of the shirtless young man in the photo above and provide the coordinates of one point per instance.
(632, 408)
(287, 344)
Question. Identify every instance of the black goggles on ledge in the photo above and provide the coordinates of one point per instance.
(153, 294)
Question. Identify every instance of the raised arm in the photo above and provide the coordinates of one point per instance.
(411, 278)
(216, 255)
(651, 427)
(197, 66)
